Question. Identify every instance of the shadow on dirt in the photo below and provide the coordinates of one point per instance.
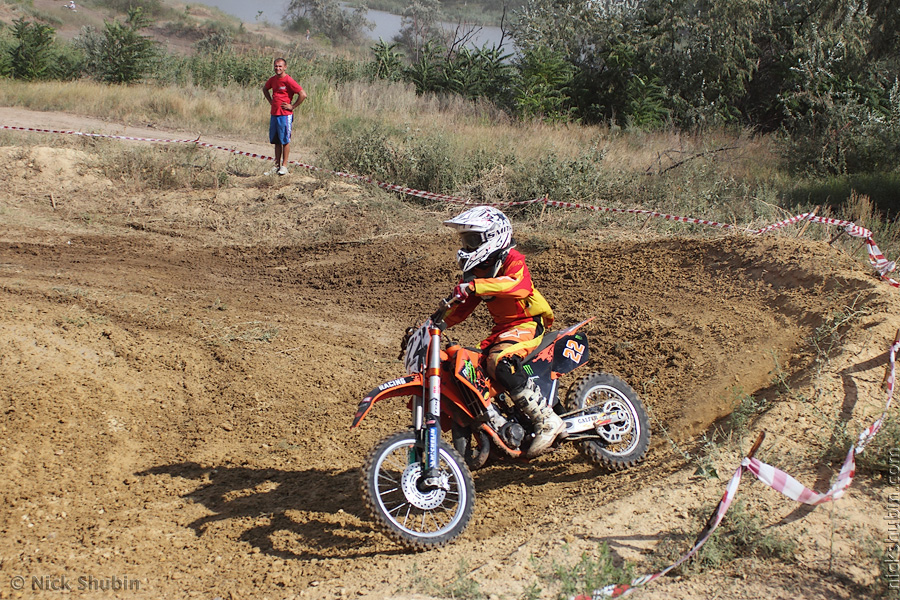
(314, 514)
(832, 461)
(498, 475)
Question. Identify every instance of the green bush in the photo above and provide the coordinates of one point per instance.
(407, 158)
(848, 135)
(387, 62)
(327, 18)
(361, 147)
(543, 86)
(6, 44)
(215, 40)
(570, 180)
(213, 70)
(591, 572)
(428, 161)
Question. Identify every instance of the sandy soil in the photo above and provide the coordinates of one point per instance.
(176, 396)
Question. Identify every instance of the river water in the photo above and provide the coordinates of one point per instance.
(387, 25)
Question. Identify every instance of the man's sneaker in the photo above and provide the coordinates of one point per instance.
(272, 171)
(282, 170)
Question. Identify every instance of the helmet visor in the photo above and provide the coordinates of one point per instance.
(471, 240)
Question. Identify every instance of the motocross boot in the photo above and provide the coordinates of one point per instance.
(547, 424)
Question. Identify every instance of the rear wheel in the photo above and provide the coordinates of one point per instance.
(623, 442)
(417, 518)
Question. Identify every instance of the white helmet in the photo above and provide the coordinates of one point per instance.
(485, 234)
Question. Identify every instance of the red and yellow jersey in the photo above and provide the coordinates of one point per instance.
(511, 297)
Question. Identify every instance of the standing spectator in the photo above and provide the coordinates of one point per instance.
(284, 95)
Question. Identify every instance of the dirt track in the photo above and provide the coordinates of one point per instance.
(175, 405)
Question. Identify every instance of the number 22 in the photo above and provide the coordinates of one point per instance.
(573, 350)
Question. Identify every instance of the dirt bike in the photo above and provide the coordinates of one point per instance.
(419, 488)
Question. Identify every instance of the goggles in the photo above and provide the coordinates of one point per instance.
(471, 240)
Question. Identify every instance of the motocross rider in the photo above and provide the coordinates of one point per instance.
(496, 273)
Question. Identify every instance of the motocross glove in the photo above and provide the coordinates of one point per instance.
(462, 291)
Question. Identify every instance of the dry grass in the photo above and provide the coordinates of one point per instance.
(470, 126)
(229, 110)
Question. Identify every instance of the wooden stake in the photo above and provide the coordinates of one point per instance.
(757, 443)
(52, 201)
(808, 221)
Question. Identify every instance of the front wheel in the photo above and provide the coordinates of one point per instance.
(623, 442)
(417, 518)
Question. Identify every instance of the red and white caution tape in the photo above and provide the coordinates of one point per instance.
(881, 265)
(777, 480)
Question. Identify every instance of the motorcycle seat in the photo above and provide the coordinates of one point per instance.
(549, 338)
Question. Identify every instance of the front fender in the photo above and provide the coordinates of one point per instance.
(411, 385)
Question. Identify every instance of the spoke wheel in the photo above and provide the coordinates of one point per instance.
(417, 518)
(623, 442)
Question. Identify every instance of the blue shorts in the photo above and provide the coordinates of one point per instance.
(280, 129)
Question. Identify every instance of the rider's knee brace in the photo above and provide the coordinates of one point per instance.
(509, 374)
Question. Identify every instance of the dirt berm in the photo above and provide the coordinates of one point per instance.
(178, 372)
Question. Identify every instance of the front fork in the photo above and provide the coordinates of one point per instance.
(427, 416)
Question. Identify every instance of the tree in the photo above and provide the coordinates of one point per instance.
(600, 41)
(712, 62)
(120, 54)
(884, 35)
(31, 56)
(327, 18)
(840, 110)
(419, 25)
(707, 52)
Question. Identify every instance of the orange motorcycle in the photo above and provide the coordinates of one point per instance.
(418, 487)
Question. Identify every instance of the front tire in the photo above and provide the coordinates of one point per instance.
(415, 518)
(622, 443)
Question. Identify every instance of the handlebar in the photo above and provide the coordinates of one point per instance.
(444, 307)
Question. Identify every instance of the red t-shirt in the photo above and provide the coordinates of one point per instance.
(283, 89)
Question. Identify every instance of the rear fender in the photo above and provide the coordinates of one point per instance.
(411, 385)
(560, 352)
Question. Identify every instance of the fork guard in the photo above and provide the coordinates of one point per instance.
(411, 385)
